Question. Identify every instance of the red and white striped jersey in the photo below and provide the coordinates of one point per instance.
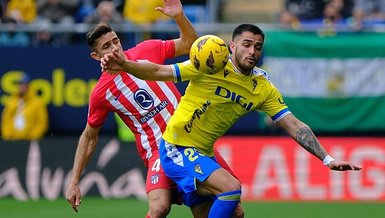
(145, 106)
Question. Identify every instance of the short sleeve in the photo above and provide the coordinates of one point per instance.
(274, 105)
(185, 71)
(97, 114)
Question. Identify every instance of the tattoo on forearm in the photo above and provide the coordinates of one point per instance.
(307, 140)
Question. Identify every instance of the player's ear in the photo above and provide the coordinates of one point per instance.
(232, 46)
(95, 56)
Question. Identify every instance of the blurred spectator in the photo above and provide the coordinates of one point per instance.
(338, 10)
(368, 12)
(13, 38)
(25, 115)
(119, 4)
(23, 11)
(296, 12)
(337, 16)
(86, 7)
(194, 2)
(106, 13)
(44, 37)
(324, 14)
(143, 12)
(2, 9)
(58, 12)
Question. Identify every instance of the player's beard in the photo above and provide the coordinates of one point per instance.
(243, 64)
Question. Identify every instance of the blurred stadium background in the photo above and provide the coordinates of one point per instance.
(330, 75)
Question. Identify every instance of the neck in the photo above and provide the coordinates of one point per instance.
(238, 69)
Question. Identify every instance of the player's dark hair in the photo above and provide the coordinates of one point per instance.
(96, 32)
(248, 28)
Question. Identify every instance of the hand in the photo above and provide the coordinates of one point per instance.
(343, 166)
(172, 8)
(113, 62)
(74, 197)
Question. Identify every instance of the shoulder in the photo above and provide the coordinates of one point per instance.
(260, 72)
(153, 43)
(100, 88)
(154, 50)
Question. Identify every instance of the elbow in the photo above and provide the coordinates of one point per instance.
(188, 42)
(191, 41)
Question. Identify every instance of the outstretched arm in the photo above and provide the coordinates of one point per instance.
(85, 149)
(116, 62)
(306, 138)
(174, 9)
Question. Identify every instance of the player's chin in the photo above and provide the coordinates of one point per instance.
(248, 65)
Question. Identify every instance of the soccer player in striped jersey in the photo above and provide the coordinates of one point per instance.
(211, 105)
(145, 106)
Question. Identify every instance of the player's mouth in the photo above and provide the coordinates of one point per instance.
(251, 60)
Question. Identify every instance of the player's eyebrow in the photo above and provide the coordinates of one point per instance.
(252, 41)
(247, 40)
(110, 41)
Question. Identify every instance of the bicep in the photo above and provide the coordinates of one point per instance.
(181, 48)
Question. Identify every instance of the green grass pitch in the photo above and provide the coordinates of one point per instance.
(131, 208)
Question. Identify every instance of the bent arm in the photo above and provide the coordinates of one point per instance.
(174, 9)
(187, 35)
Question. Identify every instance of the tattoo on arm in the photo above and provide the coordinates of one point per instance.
(307, 140)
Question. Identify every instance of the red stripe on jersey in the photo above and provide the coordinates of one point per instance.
(170, 98)
(107, 96)
(140, 128)
(174, 90)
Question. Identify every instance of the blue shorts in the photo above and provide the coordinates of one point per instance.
(184, 165)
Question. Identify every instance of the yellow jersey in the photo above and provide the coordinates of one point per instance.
(214, 102)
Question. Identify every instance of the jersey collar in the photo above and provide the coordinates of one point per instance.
(236, 70)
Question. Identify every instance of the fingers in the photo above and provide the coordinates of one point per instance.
(113, 62)
(105, 60)
(117, 56)
(343, 166)
(349, 166)
(355, 167)
(160, 9)
(74, 203)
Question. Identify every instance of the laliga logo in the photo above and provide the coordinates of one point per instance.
(239, 99)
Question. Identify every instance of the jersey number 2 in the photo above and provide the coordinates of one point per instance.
(190, 153)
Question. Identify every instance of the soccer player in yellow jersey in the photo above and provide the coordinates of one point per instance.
(211, 105)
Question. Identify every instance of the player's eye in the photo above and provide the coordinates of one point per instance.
(105, 46)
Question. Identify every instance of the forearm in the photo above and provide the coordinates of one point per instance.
(187, 34)
(84, 151)
(303, 135)
(149, 71)
(306, 138)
